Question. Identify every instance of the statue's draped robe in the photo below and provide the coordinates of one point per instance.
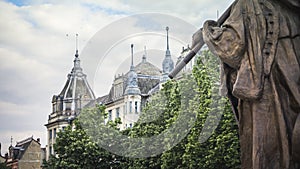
(259, 46)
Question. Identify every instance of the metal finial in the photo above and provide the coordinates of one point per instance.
(11, 140)
(76, 41)
(131, 54)
(144, 59)
(76, 55)
(167, 29)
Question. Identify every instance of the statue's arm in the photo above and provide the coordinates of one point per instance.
(227, 41)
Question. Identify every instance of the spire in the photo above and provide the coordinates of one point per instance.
(77, 60)
(168, 64)
(144, 59)
(167, 29)
(76, 92)
(132, 81)
(132, 67)
(168, 49)
(76, 55)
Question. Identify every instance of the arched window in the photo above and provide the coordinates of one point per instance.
(109, 114)
(136, 107)
(117, 112)
(130, 107)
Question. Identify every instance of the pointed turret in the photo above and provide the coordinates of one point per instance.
(77, 86)
(132, 79)
(68, 104)
(168, 64)
(168, 49)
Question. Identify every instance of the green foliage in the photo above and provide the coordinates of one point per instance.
(221, 149)
(154, 119)
(204, 124)
(3, 166)
(76, 150)
(216, 147)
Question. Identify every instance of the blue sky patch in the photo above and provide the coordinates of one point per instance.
(19, 2)
(110, 11)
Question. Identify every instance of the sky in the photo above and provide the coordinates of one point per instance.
(38, 43)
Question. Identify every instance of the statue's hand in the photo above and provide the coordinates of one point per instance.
(212, 30)
(197, 38)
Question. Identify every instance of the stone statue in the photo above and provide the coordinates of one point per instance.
(259, 46)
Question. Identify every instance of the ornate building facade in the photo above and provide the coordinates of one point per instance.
(67, 105)
(125, 100)
(130, 91)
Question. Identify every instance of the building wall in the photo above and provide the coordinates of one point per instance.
(129, 108)
(133, 110)
(51, 136)
(32, 158)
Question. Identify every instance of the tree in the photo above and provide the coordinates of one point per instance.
(3, 166)
(153, 121)
(194, 97)
(221, 149)
(193, 94)
(76, 150)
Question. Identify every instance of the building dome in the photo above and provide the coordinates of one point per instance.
(146, 68)
(77, 85)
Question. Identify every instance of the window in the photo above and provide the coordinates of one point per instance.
(130, 107)
(109, 114)
(54, 107)
(130, 125)
(60, 105)
(118, 112)
(50, 149)
(135, 107)
(54, 133)
(63, 128)
(68, 106)
(50, 134)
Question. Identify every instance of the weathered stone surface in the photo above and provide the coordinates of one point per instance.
(259, 45)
